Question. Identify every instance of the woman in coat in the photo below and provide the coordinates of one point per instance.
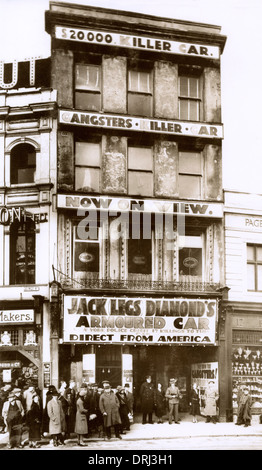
(109, 406)
(81, 426)
(56, 419)
(123, 410)
(34, 420)
(211, 397)
(194, 402)
(160, 407)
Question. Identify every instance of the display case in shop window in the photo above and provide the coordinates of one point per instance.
(247, 370)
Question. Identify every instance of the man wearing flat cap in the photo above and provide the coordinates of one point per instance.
(173, 395)
(13, 413)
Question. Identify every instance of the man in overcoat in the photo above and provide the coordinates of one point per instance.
(147, 398)
(211, 398)
(56, 415)
(109, 407)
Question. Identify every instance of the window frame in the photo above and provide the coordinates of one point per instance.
(254, 263)
(140, 171)
(27, 230)
(137, 93)
(14, 170)
(94, 167)
(190, 99)
(199, 174)
(88, 241)
(92, 91)
(192, 242)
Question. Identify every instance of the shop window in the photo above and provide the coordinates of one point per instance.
(254, 268)
(190, 175)
(189, 98)
(88, 87)
(87, 166)
(86, 250)
(190, 258)
(140, 171)
(22, 164)
(22, 253)
(140, 98)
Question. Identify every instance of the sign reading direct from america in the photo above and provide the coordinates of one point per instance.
(136, 42)
(193, 129)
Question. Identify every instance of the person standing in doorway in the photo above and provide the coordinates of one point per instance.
(147, 397)
(173, 395)
(211, 397)
(160, 409)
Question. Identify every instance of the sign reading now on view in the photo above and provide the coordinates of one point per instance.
(108, 38)
(139, 320)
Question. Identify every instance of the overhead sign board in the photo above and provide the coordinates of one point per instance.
(148, 43)
(110, 121)
(113, 204)
(139, 320)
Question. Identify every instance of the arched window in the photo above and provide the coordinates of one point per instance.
(22, 253)
(23, 164)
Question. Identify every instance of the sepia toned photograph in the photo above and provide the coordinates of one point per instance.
(130, 228)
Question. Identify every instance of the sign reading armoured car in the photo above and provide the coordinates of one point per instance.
(190, 129)
(108, 38)
(139, 320)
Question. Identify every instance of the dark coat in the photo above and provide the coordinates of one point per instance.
(160, 406)
(147, 397)
(34, 420)
(109, 404)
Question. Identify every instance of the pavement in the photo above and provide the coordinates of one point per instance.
(186, 429)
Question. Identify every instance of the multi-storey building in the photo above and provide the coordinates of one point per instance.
(242, 310)
(27, 222)
(139, 198)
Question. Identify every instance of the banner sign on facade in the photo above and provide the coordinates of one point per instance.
(139, 320)
(107, 38)
(16, 316)
(10, 365)
(110, 121)
(113, 204)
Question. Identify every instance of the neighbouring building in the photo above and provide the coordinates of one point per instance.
(27, 221)
(140, 260)
(242, 310)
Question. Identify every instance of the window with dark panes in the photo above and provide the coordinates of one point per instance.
(190, 175)
(140, 171)
(190, 257)
(86, 249)
(190, 95)
(88, 87)
(140, 99)
(140, 245)
(22, 164)
(22, 253)
(87, 166)
(254, 267)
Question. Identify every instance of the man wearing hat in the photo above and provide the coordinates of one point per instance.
(109, 407)
(147, 397)
(173, 395)
(13, 413)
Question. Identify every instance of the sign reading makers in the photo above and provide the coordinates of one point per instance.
(16, 316)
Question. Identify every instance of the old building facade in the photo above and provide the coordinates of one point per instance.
(242, 310)
(27, 222)
(140, 259)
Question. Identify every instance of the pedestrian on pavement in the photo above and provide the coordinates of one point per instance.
(56, 419)
(211, 398)
(129, 398)
(28, 395)
(160, 408)
(194, 402)
(2, 400)
(81, 426)
(45, 419)
(70, 413)
(147, 398)
(245, 403)
(109, 407)
(34, 421)
(173, 396)
(123, 410)
(13, 413)
(240, 393)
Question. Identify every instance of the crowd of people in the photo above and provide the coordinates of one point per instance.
(84, 411)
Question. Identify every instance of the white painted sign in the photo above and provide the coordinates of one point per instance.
(200, 208)
(139, 320)
(110, 121)
(16, 316)
(129, 41)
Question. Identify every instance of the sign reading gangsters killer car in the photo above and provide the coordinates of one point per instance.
(139, 320)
